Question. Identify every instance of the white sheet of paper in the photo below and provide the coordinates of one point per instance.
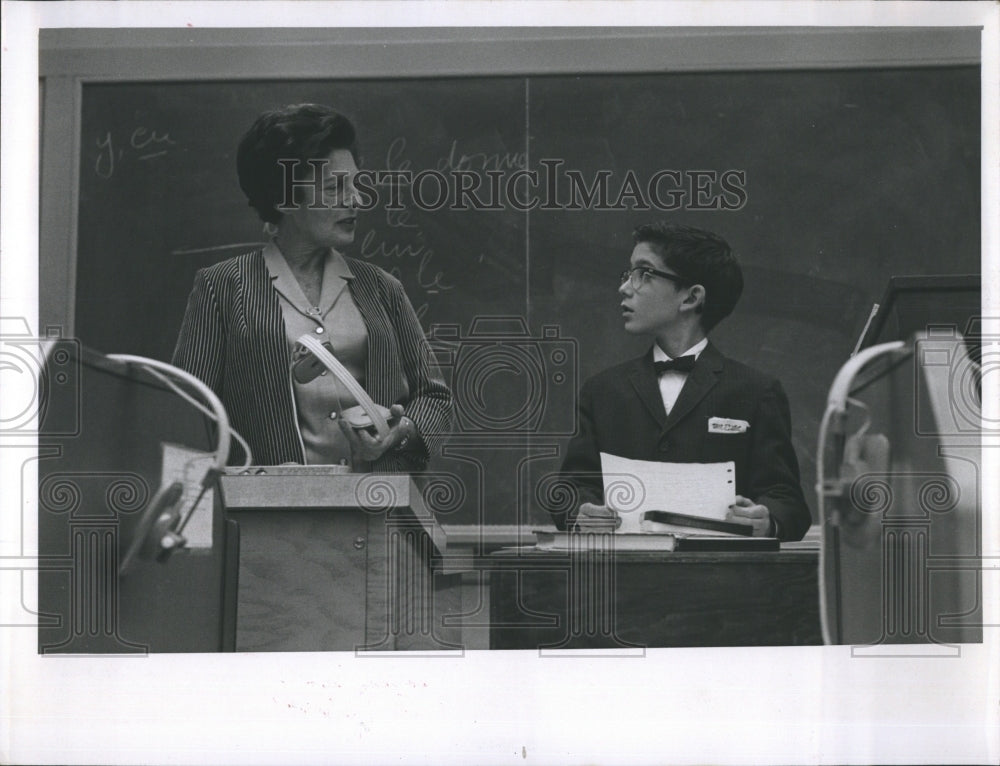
(697, 489)
(188, 466)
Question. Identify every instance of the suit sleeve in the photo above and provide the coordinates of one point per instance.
(430, 404)
(774, 469)
(580, 479)
(201, 343)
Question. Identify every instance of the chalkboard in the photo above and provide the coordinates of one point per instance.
(837, 181)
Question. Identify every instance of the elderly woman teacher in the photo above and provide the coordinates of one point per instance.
(245, 315)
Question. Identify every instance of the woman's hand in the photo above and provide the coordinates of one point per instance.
(367, 448)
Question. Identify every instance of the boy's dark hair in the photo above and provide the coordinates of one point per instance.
(296, 132)
(700, 258)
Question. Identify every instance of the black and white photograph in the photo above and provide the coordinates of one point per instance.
(459, 382)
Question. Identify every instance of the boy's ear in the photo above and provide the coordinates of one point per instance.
(695, 299)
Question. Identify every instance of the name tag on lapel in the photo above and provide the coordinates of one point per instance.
(727, 426)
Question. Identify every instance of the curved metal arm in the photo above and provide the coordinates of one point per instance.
(222, 449)
(836, 405)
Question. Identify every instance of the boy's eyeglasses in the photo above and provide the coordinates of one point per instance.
(640, 276)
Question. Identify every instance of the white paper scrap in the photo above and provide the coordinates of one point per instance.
(188, 466)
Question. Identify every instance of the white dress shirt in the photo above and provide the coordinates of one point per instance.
(672, 381)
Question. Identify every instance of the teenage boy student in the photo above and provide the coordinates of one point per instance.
(683, 401)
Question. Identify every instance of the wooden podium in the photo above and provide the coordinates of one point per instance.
(333, 561)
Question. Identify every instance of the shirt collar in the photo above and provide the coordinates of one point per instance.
(659, 355)
(335, 269)
(337, 266)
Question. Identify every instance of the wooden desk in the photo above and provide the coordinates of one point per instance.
(630, 600)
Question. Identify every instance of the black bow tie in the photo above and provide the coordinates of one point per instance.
(680, 364)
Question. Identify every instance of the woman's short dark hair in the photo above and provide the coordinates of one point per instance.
(295, 132)
(700, 258)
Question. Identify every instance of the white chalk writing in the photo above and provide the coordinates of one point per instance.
(412, 257)
(142, 144)
(456, 160)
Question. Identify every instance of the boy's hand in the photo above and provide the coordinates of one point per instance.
(745, 510)
(597, 518)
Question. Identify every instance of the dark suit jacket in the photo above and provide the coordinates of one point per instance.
(621, 413)
(233, 338)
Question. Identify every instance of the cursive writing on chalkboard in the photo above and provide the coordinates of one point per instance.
(427, 279)
(400, 257)
(481, 160)
(394, 155)
(142, 144)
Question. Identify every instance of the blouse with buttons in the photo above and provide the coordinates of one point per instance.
(334, 320)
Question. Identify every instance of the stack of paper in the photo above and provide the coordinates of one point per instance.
(632, 487)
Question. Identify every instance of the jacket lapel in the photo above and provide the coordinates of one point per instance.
(364, 291)
(699, 382)
(275, 418)
(644, 381)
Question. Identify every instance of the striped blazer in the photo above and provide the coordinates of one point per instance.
(233, 338)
